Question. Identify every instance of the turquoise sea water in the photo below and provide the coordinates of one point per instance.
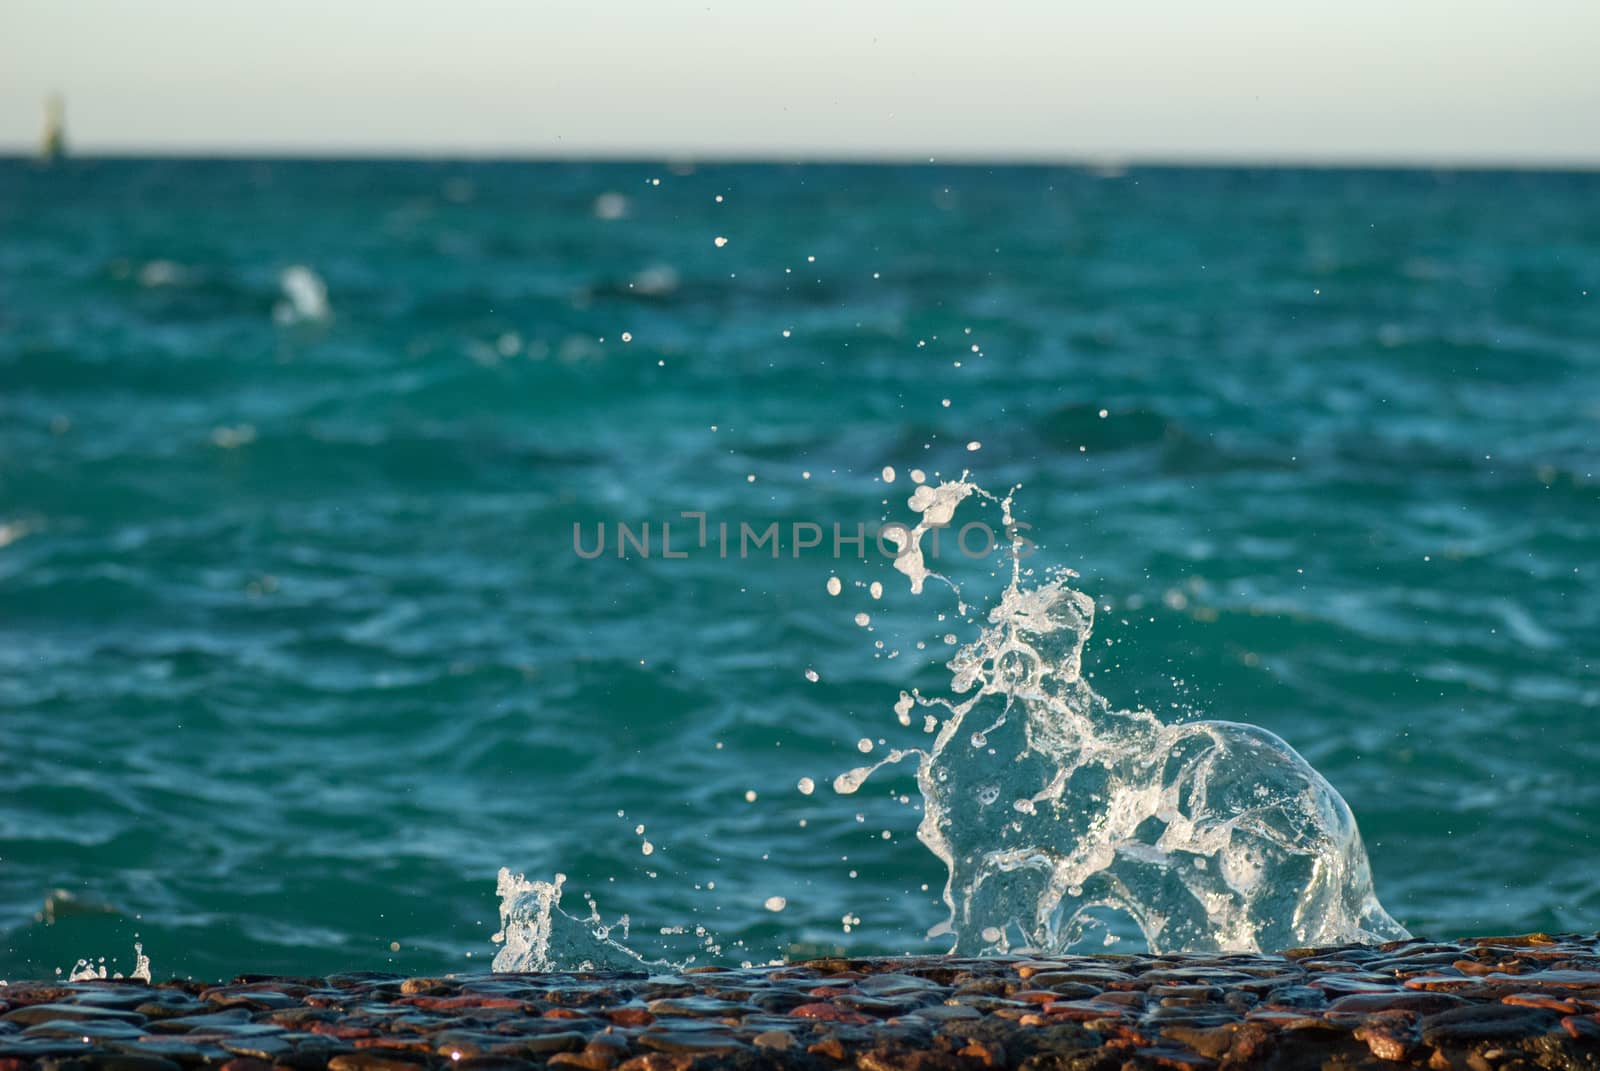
(295, 650)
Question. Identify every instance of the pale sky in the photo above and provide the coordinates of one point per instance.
(1423, 81)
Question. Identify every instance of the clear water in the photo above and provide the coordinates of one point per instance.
(296, 653)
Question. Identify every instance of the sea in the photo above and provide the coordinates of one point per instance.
(314, 474)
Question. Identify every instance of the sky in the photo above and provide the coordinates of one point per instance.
(1387, 81)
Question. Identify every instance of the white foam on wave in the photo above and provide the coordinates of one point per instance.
(305, 296)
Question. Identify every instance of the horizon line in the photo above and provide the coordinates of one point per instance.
(715, 157)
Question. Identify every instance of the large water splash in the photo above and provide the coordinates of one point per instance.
(1056, 813)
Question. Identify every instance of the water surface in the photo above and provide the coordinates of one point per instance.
(295, 652)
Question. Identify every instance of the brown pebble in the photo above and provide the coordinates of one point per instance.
(1473, 966)
(1131, 997)
(977, 1050)
(1540, 1000)
(832, 1048)
(1387, 1041)
(630, 1016)
(1036, 996)
(774, 1039)
(829, 1012)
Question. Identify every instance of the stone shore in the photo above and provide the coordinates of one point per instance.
(1495, 1002)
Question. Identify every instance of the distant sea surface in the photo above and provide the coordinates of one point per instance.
(296, 652)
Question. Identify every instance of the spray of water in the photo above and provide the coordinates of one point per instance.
(89, 970)
(537, 935)
(1057, 814)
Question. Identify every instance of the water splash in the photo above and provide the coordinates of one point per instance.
(90, 970)
(536, 935)
(305, 296)
(1056, 813)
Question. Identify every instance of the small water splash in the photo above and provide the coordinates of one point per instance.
(305, 296)
(537, 935)
(90, 970)
(1056, 814)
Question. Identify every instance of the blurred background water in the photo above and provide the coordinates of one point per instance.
(295, 651)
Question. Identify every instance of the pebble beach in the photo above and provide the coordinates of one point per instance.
(1530, 1001)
